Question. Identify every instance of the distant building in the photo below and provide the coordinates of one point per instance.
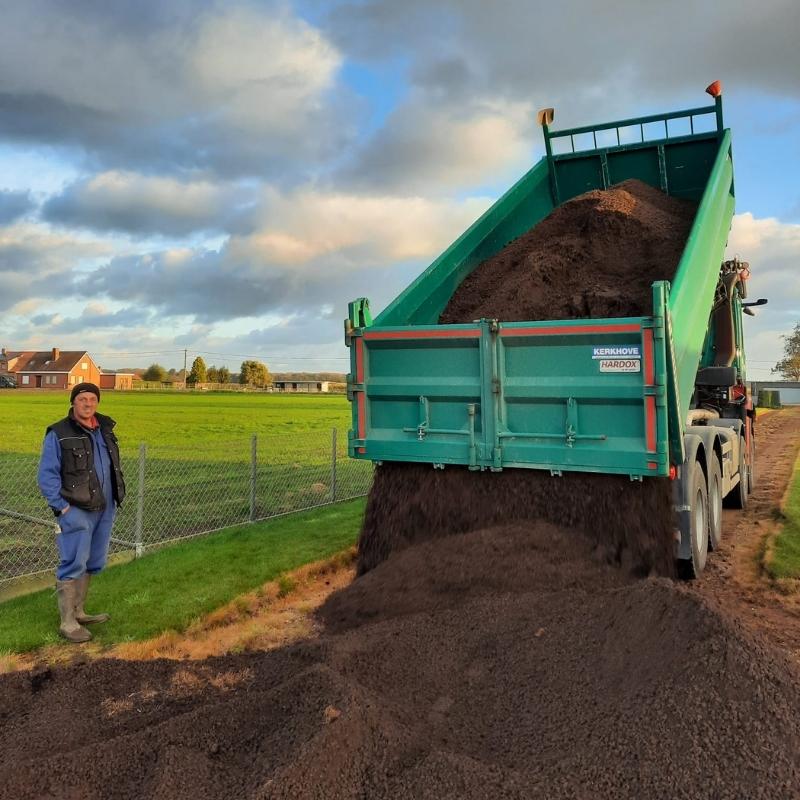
(301, 386)
(789, 390)
(9, 360)
(49, 369)
(109, 379)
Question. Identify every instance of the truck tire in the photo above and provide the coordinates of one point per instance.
(737, 497)
(698, 498)
(714, 504)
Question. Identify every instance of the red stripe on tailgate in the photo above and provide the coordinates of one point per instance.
(378, 335)
(561, 330)
(650, 417)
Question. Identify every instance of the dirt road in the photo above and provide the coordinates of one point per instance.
(733, 576)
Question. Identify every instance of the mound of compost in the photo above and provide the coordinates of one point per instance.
(630, 522)
(596, 255)
(501, 663)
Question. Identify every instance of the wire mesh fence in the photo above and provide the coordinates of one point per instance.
(178, 491)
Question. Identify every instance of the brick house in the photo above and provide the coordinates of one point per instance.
(50, 369)
(9, 360)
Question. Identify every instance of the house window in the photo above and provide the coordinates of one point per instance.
(84, 365)
(72, 379)
(26, 379)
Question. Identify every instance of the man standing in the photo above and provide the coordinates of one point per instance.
(81, 478)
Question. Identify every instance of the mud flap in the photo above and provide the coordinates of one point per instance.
(681, 499)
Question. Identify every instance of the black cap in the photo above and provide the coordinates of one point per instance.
(84, 387)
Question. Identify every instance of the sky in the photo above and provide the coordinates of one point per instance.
(221, 178)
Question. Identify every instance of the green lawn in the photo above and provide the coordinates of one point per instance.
(169, 589)
(174, 418)
(198, 471)
(784, 561)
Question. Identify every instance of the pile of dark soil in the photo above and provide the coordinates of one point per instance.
(630, 523)
(502, 663)
(596, 255)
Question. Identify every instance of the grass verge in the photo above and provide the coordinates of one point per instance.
(783, 560)
(171, 589)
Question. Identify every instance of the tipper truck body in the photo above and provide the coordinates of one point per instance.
(658, 396)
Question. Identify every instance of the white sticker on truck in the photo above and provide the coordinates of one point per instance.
(621, 351)
(620, 365)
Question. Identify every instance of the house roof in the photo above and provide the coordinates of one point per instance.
(42, 361)
(11, 354)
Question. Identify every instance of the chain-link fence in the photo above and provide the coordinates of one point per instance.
(177, 491)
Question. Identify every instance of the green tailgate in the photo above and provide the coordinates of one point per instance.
(603, 395)
(582, 395)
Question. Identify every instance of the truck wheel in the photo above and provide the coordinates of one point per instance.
(737, 498)
(714, 504)
(692, 567)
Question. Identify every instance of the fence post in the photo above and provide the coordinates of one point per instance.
(253, 475)
(333, 465)
(138, 533)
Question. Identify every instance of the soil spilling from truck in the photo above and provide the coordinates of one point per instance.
(631, 523)
(595, 256)
(501, 663)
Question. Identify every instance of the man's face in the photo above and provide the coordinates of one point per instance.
(84, 406)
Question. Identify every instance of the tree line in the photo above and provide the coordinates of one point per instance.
(251, 373)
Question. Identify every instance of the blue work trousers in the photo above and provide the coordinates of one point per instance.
(83, 541)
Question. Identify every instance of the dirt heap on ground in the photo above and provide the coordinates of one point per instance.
(508, 664)
(596, 255)
(630, 522)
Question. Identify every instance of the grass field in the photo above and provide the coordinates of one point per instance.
(174, 418)
(173, 587)
(784, 559)
(199, 473)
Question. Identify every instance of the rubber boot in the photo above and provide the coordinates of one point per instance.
(70, 629)
(81, 589)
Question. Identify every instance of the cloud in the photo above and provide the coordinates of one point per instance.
(310, 250)
(146, 205)
(224, 88)
(348, 230)
(519, 47)
(773, 250)
(437, 146)
(14, 205)
(96, 316)
(37, 263)
(477, 72)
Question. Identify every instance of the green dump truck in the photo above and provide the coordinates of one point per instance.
(658, 396)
